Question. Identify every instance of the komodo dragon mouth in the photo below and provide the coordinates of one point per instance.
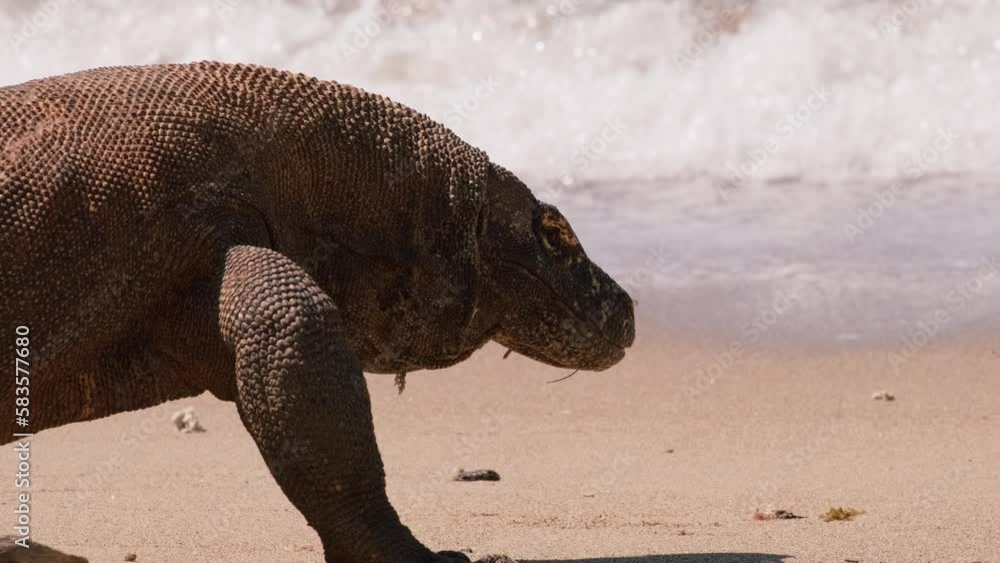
(563, 303)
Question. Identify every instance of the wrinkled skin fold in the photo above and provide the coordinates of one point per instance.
(267, 237)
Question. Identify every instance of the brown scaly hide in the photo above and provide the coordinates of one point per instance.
(135, 175)
(266, 236)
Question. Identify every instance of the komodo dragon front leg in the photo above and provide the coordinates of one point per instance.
(302, 396)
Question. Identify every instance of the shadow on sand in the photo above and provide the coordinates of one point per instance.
(680, 558)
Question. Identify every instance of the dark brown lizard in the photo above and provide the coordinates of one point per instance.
(267, 236)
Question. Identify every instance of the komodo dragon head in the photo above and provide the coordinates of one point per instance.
(555, 305)
(433, 250)
(526, 283)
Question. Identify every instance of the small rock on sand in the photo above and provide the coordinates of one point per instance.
(883, 396)
(477, 475)
(130, 557)
(186, 420)
(772, 514)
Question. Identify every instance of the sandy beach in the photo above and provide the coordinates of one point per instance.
(802, 198)
(638, 464)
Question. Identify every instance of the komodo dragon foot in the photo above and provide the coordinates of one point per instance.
(36, 553)
(458, 556)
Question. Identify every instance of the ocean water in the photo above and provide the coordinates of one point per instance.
(716, 155)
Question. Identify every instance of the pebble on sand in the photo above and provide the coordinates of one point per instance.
(477, 475)
(883, 396)
(186, 420)
(772, 514)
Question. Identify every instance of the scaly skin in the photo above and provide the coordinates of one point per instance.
(267, 236)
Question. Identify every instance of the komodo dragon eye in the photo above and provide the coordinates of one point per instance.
(556, 236)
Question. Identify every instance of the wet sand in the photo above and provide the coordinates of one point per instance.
(643, 463)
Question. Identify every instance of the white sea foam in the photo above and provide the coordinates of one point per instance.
(694, 92)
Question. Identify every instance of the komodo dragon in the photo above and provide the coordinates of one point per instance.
(267, 236)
